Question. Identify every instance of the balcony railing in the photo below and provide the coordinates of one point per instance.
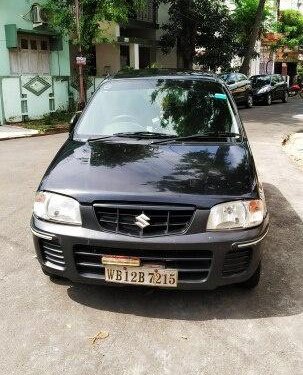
(148, 14)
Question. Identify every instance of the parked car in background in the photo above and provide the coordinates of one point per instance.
(162, 192)
(240, 87)
(269, 87)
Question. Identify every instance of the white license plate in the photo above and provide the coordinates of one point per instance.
(167, 278)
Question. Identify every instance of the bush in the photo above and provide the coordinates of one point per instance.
(60, 116)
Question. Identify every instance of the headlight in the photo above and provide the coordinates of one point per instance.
(236, 215)
(264, 89)
(58, 208)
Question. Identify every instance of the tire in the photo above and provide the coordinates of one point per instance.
(268, 100)
(285, 97)
(253, 281)
(249, 101)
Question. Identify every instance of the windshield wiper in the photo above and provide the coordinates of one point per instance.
(141, 134)
(198, 137)
(91, 140)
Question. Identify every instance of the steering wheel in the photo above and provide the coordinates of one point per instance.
(127, 118)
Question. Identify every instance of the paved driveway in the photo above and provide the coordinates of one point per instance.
(45, 327)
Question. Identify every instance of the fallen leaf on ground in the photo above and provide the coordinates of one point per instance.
(99, 336)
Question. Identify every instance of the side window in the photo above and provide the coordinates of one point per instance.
(274, 80)
(233, 78)
(243, 77)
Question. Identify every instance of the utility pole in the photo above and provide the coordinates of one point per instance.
(81, 102)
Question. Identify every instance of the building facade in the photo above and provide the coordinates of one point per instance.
(135, 45)
(291, 4)
(34, 69)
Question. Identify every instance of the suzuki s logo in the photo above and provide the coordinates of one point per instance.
(142, 221)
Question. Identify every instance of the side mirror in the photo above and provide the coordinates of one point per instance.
(74, 120)
(232, 82)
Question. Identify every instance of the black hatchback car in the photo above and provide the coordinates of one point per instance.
(267, 88)
(156, 186)
(240, 87)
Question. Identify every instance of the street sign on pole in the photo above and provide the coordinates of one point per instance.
(81, 60)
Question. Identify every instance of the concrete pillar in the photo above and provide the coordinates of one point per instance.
(134, 55)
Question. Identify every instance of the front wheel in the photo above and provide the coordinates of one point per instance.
(268, 100)
(249, 101)
(285, 97)
(253, 281)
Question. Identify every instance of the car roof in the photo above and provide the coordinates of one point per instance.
(227, 73)
(166, 74)
(266, 75)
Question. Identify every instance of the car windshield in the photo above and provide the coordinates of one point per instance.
(171, 107)
(260, 81)
(226, 77)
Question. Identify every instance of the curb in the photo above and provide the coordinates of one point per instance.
(34, 135)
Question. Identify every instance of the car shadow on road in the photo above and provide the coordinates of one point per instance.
(279, 292)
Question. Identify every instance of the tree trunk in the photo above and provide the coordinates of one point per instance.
(253, 38)
(278, 4)
(187, 42)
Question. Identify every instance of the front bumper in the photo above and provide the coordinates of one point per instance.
(204, 260)
(260, 97)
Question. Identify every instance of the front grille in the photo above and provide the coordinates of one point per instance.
(236, 261)
(52, 253)
(192, 265)
(163, 220)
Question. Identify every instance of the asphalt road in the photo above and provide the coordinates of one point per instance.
(45, 327)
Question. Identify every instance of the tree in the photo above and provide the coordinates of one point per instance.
(252, 27)
(62, 17)
(199, 25)
(244, 17)
(81, 22)
(290, 26)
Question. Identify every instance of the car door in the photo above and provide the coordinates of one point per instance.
(244, 86)
(282, 86)
(276, 87)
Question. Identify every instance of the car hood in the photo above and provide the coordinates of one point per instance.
(256, 89)
(200, 174)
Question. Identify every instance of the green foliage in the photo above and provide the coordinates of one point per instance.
(59, 116)
(61, 16)
(216, 33)
(205, 25)
(300, 70)
(290, 25)
(59, 119)
(244, 17)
